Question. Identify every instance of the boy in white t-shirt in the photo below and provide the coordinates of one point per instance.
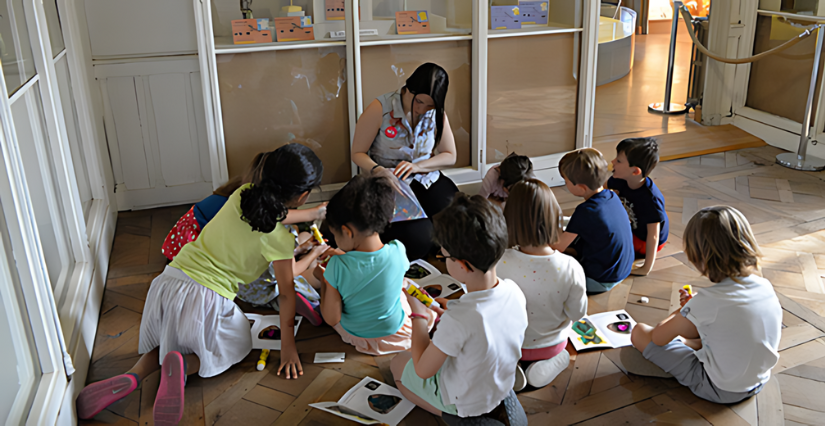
(730, 330)
(469, 367)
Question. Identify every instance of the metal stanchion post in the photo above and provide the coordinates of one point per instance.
(666, 107)
(800, 161)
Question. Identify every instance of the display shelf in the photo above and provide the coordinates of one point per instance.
(445, 19)
(420, 38)
(794, 16)
(224, 45)
(532, 31)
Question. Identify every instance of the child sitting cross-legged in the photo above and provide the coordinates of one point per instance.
(552, 282)
(645, 204)
(598, 233)
(362, 286)
(468, 368)
(730, 331)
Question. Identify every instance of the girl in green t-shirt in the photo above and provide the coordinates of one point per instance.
(190, 320)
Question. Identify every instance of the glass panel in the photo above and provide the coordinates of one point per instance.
(531, 109)
(535, 15)
(15, 50)
(416, 18)
(53, 21)
(27, 113)
(20, 372)
(225, 11)
(779, 83)
(271, 98)
(81, 171)
(386, 68)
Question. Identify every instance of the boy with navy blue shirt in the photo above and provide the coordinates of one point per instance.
(645, 204)
(598, 233)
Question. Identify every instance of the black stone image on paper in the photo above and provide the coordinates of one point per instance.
(454, 287)
(622, 317)
(416, 272)
(383, 404)
(373, 385)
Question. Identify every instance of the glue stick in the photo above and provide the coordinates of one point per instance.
(423, 297)
(316, 233)
(262, 359)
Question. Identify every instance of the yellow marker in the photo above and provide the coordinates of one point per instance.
(262, 359)
(317, 234)
(689, 289)
(420, 295)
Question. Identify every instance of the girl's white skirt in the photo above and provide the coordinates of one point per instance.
(182, 315)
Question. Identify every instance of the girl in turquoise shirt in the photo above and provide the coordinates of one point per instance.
(362, 291)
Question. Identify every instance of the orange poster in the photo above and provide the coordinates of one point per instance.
(412, 22)
(334, 10)
(245, 31)
(294, 29)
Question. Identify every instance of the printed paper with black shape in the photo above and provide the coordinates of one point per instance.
(370, 402)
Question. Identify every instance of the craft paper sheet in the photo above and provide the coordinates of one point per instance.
(370, 402)
(605, 330)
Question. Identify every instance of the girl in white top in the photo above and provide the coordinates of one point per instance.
(730, 331)
(552, 282)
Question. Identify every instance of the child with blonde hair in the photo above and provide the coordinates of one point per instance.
(724, 340)
(598, 234)
(553, 282)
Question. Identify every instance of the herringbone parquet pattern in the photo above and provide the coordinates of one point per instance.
(786, 209)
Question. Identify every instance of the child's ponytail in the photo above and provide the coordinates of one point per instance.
(278, 178)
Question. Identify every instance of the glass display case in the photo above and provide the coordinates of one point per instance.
(505, 94)
(394, 20)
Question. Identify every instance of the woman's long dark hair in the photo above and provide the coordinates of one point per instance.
(278, 177)
(430, 79)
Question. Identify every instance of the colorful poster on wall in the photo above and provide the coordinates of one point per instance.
(412, 22)
(533, 12)
(294, 28)
(505, 17)
(246, 31)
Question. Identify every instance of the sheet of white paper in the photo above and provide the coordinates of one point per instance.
(323, 357)
(611, 331)
(436, 283)
(377, 401)
(343, 411)
(262, 322)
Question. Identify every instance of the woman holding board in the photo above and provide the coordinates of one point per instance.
(408, 131)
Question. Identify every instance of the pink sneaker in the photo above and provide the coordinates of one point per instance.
(304, 309)
(168, 408)
(99, 395)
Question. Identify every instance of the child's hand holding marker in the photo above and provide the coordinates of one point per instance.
(685, 293)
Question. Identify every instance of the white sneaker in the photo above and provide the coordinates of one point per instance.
(541, 373)
(521, 379)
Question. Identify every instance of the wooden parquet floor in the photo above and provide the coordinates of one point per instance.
(786, 209)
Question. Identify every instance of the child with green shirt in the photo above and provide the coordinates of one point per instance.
(190, 320)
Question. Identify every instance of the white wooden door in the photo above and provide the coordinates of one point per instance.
(156, 131)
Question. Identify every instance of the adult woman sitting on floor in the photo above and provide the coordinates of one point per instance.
(407, 130)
